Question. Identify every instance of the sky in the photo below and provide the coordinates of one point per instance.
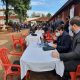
(44, 6)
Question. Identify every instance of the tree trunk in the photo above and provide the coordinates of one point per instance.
(7, 11)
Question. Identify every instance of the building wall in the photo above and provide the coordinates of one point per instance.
(66, 12)
(2, 22)
(1, 13)
(1, 18)
(77, 10)
(11, 17)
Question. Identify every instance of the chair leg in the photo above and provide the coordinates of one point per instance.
(11, 77)
(73, 75)
(5, 77)
(22, 47)
(14, 46)
(28, 75)
(18, 78)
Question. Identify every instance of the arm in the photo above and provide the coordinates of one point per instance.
(75, 54)
(65, 46)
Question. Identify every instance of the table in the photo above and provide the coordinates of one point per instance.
(35, 59)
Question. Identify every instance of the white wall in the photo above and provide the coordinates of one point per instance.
(71, 16)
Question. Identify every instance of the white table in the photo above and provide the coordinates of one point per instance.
(35, 59)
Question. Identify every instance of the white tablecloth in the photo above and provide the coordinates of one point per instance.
(35, 59)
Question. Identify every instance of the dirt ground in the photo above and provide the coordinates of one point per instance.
(6, 41)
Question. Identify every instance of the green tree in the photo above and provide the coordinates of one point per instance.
(48, 15)
(6, 2)
(20, 7)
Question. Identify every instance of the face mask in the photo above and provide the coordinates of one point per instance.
(57, 34)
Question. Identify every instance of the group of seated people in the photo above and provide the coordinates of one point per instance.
(68, 48)
(71, 59)
(60, 38)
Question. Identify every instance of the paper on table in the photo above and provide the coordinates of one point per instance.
(50, 44)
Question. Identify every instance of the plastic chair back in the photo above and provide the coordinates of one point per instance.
(4, 57)
(78, 71)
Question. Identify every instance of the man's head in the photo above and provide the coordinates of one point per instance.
(59, 30)
(75, 24)
(45, 29)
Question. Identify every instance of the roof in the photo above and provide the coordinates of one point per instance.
(41, 19)
(10, 17)
(30, 19)
(68, 3)
(5, 9)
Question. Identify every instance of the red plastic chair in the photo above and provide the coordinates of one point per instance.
(8, 65)
(74, 75)
(18, 41)
(12, 52)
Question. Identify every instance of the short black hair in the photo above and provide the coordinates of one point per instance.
(45, 29)
(75, 20)
(60, 27)
(32, 30)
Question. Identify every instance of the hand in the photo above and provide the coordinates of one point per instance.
(55, 45)
(55, 54)
(54, 37)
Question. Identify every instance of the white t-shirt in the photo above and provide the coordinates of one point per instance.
(32, 39)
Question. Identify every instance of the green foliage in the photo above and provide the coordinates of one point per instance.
(48, 15)
(20, 7)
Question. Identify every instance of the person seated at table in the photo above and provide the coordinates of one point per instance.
(72, 59)
(47, 35)
(39, 31)
(32, 37)
(63, 40)
(33, 32)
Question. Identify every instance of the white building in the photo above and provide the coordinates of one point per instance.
(12, 16)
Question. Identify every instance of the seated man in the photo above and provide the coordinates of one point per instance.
(72, 59)
(63, 42)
